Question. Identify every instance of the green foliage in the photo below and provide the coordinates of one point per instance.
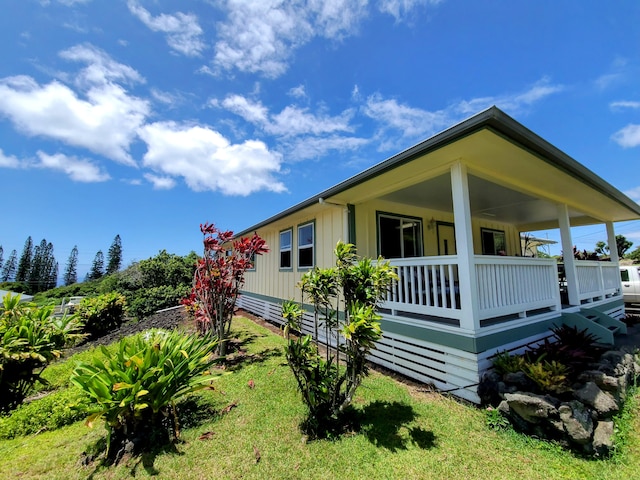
(133, 389)
(550, 376)
(327, 387)
(153, 284)
(52, 411)
(84, 289)
(495, 420)
(149, 300)
(29, 339)
(503, 362)
(102, 314)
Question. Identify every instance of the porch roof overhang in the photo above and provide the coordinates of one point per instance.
(515, 177)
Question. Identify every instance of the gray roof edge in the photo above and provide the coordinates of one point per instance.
(491, 117)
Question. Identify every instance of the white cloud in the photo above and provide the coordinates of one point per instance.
(514, 102)
(160, 183)
(634, 194)
(291, 121)
(624, 104)
(628, 137)
(208, 161)
(399, 8)
(298, 92)
(8, 161)
(253, 112)
(101, 69)
(416, 123)
(101, 117)
(79, 170)
(317, 147)
(260, 37)
(104, 123)
(184, 34)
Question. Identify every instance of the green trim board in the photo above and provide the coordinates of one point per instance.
(447, 339)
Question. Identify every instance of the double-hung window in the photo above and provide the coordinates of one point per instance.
(306, 245)
(286, 238)
(399, 237)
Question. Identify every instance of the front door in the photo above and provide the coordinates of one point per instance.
(446, 238)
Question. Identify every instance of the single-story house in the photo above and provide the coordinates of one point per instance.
(448, 213)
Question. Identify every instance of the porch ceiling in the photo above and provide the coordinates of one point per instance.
(488, 200)
(507, 183)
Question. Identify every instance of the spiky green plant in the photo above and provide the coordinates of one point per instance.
(134, 389)
(30, 337)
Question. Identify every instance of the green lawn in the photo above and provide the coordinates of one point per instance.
(237, 431)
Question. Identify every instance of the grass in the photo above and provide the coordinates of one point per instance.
(248, 428)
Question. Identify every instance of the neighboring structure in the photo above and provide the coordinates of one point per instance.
(531, 245)
(23, 296)
(449, 213)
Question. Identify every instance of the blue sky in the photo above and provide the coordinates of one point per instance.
(145, 118)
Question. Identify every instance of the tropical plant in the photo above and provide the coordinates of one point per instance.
(29, 339)
(135, 387)
(103, 313)
(550, 376)
(350, 332)
(218, 278)
(504, 363)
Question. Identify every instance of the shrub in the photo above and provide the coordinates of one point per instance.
(102, 314)
(52, 411)
(134, 388)
(29, 339)
(327, 387)
(146, 301)
(218, 279)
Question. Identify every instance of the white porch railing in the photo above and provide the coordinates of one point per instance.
(515, 285)
(426, 286)
(597, 279)
(506, 286)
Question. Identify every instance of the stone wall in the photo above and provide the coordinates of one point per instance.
(581, 419)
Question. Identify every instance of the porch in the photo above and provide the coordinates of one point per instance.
(508, 290)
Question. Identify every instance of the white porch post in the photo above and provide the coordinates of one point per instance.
(567, 254)
(613, 246)
(464, 247)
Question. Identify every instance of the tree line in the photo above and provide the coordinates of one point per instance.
(37, 269)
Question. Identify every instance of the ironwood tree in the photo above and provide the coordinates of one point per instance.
(71, 269)
(9, 268)
(43, 274)
(24, 265)
(114, 256)
(97, 267)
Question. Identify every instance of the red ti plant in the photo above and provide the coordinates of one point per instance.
(218, 278)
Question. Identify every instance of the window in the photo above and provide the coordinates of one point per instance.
(399, 237)
(493, 242)
(285, 248)
(624, 275)
(305, 245)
